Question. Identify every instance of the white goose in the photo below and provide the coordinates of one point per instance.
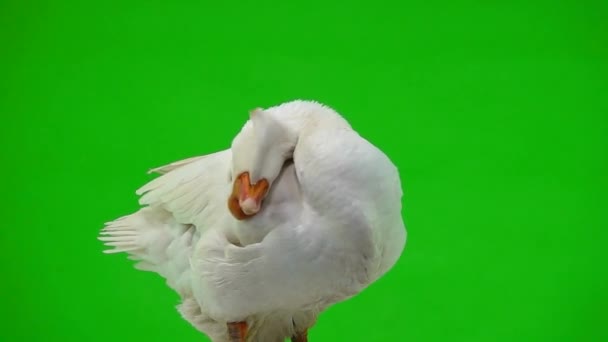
(299, 214)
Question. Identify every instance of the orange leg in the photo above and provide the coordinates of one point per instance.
(300, 337)
(237, 331)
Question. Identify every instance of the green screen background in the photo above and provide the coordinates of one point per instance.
(495, 113)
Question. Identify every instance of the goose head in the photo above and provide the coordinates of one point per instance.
(259, 152)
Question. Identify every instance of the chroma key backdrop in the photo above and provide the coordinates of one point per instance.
(496, 114)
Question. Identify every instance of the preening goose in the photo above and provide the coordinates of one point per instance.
(299, 214)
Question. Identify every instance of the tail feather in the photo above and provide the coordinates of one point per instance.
(152, 237)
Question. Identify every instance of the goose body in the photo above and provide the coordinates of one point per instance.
(329, 225)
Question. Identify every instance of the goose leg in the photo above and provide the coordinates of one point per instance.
(300, 336)
(237, 331)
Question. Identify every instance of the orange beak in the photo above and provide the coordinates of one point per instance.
(246, 199)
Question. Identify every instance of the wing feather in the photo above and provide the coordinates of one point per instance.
(194, 193)
(188, 198)
(170, 167)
